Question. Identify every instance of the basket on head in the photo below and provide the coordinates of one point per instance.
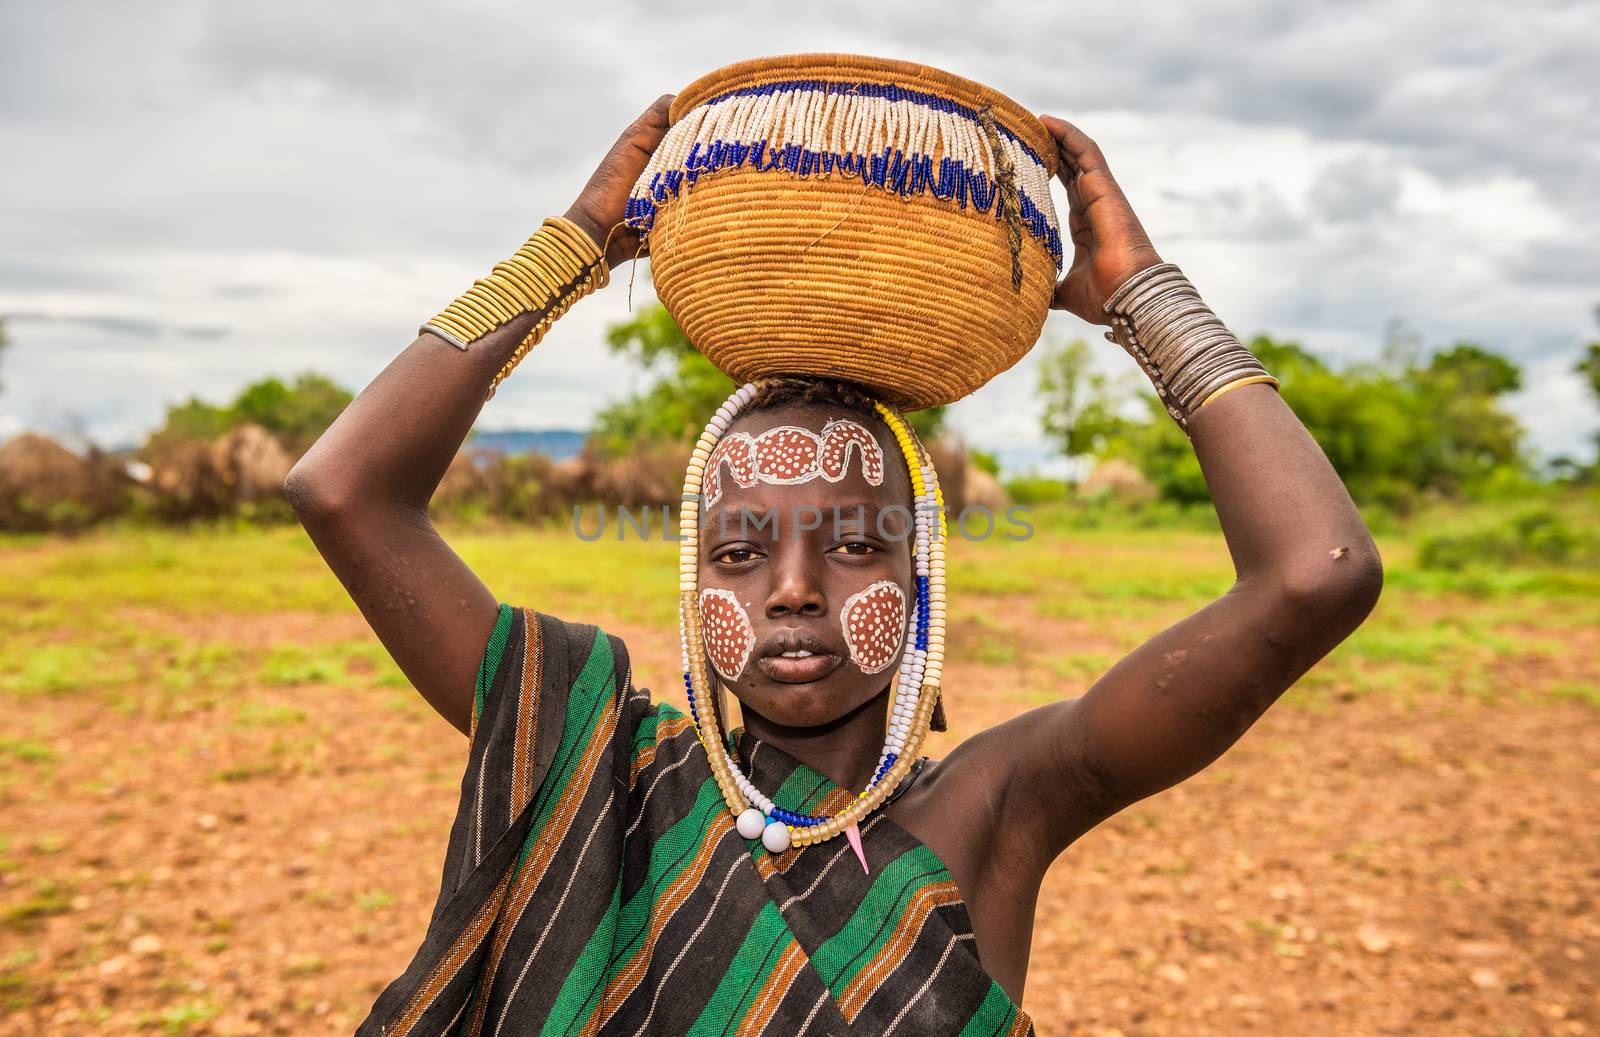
(853, 217)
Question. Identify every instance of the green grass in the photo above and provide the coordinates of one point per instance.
(159, 622)
(48, 898)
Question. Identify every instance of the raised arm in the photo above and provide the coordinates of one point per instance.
(1307, 572)
(362, 490)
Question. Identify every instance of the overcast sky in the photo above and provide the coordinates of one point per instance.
(195, 195)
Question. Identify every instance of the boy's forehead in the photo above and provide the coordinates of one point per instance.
(799, 440)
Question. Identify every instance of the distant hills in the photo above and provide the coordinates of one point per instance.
(556, 443)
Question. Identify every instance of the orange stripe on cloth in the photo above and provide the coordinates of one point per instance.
(463, 948)
(666, 729)
(1021, 1026)
(662, 910)
(526, 742)
(544, 851)
(893, 953)
(790, 963)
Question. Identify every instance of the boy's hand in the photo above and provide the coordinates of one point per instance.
(604, 201)
(1109, 244)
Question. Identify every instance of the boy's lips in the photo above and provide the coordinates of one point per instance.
(796, 656)
(801, 669)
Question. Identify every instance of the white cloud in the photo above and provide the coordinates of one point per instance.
(199, 194)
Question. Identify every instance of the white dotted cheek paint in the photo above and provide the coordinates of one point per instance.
(874, 622)
(728, 634)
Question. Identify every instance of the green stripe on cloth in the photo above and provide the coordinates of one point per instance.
(646, 733)
(746, 975)
(491, 660)
(876, 918)
(575, 1002)
(996, 1015)
(622, 933)
(591, 693)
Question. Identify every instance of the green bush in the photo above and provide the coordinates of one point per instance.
(1534, 537)
(1037, 489)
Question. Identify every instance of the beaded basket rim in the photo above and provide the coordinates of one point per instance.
(884, 71)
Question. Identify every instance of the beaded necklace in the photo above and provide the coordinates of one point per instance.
(921, 662)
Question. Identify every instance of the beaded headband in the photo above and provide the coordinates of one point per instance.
(921, 661)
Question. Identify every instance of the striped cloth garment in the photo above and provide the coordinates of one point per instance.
(594, 882)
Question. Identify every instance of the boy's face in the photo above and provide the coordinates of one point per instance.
(805, 562)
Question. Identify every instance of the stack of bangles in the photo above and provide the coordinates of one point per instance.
(556, 267)
(1188, 353)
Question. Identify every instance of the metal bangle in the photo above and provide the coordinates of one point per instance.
(1188, 353)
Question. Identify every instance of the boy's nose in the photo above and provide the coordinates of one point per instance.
(796, 588)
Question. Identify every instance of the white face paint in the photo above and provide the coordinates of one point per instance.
(728, 633)
(788, 454)
(874, 623)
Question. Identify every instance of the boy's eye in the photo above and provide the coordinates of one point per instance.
(736, 555)
(856, 547)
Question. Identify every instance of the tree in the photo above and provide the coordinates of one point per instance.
(1082, 407)
(678, 405)
(295, 413)
(1404, 425)
(1589, 367)
(689, 390)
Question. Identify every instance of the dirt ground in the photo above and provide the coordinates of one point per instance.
(1377, 865)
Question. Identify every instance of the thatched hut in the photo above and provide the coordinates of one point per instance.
(44, 486)
(242, 472)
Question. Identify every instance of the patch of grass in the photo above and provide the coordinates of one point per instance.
(986, 575)
(188, 671)
(984, 639)
(250, 715)
(34, 666)
(288, 665)
(47, 899)
(181, 1018)
(374, 900)
(18, 991)
(305, 965)
(26, 751)
(246, 772)
(1571, 691)
(319, 898)
(1081, 668)
(1507, 631)
(18, 958)
(343, 663)
(197, 570)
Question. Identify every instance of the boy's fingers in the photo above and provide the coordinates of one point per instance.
(1084, 170)
(1078, 150)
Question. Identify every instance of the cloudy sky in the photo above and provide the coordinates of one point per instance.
(194, 195)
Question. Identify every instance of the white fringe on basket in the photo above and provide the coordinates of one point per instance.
(900, 140)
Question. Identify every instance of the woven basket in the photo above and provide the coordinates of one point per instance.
(849, 217)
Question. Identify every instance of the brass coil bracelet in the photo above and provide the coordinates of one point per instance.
(554, 268)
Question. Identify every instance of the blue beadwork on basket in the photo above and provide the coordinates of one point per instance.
(905, 141)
